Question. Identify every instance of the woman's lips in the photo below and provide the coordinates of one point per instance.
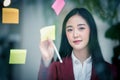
(77, 41)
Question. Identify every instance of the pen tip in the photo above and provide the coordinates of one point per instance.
(61, 61)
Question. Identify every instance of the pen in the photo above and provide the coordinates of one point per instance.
(57, 53)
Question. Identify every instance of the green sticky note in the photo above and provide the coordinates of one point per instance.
(17, 56)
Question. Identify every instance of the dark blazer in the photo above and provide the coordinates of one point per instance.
(61, 71)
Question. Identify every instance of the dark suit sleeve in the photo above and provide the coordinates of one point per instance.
(47, 73)
(53, 72)
(43, 72)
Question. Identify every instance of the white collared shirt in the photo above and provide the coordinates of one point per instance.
(82, 72)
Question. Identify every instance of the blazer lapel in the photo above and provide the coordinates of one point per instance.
(67, 69)
(93, 74)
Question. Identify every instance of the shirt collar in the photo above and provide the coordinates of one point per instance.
(76, 60)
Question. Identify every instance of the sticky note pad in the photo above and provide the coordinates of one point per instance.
(58, 6)
(17, 56)
(48, 33)
(10, 16)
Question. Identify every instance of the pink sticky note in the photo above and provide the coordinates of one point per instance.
(58, 6)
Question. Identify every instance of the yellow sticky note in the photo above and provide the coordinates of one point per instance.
(17, 56)
(10, 16)
(48, 33)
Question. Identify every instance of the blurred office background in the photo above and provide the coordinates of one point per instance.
(35, 14)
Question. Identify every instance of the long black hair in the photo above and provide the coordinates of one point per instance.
(101, 68)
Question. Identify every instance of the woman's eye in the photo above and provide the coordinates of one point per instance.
(81, 28)
(69, 30)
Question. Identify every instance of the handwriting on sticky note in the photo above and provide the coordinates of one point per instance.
(17, 56)
(58, 6)
(48, 33)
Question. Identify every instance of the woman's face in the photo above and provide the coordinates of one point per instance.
(77, 32)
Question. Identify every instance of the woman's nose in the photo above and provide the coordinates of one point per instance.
(75, 34)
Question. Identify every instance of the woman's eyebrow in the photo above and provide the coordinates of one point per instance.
(69, 26)
(80, 24)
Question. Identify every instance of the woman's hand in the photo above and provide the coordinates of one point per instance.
(47, 51)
